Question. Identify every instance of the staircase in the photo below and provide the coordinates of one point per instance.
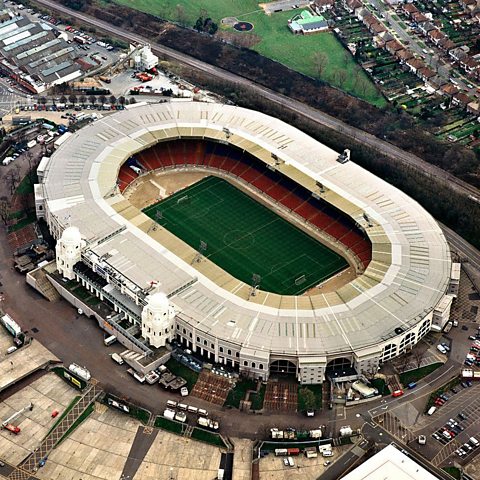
(30, 464)
(45, 287)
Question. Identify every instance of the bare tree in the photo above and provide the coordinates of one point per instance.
(180, 14)
(340, 76)
(320, 61)
(418, 357)
(4, 210)
(12, 178)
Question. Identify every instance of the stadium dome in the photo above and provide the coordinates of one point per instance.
(158, 303)
(72, 236)
(402, 282)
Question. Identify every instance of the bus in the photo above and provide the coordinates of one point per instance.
(110, 340)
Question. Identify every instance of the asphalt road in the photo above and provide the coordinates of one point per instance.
(287, 103)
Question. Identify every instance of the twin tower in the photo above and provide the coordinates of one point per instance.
(158, 315)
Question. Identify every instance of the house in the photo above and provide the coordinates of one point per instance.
(306, 23)
(435, 82)
(393, 46)
(321, 6)
(436, 36)
(469, 64)
(474, 107)
(446, 44)
(409, 9)
(425, 73)
(461, 100)
(426, 27)
(458, 53)
(419, 17)
(414, 64)
(377, 28)
(352, 5)
(403, 55)
(449, 90)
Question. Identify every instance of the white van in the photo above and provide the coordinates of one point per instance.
(192, 409)
(171, 404)
(7, 161)
(327, 453)
(202, 412)
(182, 406)
(109, 340)
(431, 410)
(291, 463)
(117, 358)
(474, 442)
(11, 350)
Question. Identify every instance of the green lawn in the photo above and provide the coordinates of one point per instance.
(208, 437)
(169, 425)
(275, 40)
(417, 374)
(237, 394)
(182, 371)
(244, 237)
(258, 398)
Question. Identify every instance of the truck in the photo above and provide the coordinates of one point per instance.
(11, 325)
(364, 390)
(110, 340)
(170, 414)
(346, 431)
(207, 423)
(181, 417)
(447, 327)
(80, 372)
(80, 40)
(11, 428)
(140, 377)
(105, 79)
(316, 433)
(117, 358)
(281, 452)
(469, 374)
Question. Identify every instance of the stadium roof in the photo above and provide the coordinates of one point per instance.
(406, 279)
(390, 464)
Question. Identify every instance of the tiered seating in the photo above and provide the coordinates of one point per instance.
(241, 164)
(337, 229)
(125, 176)
(306, 210)
(351, 238)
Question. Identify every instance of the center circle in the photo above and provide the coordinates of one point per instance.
(243, 26)
(238, 239)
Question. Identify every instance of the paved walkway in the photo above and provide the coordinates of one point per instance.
(30, 464)
(141, 445)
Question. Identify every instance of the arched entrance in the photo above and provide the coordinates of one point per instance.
(283, 367)
(340, 368)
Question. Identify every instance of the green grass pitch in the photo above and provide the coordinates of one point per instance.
(244, 237)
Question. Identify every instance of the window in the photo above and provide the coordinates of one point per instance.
(260, 366)
(184, 331)
(212, 346)
(237, 354)
(229, 352)
(198, 339)
(220, 349)
(245, 363)
(254, 365)
(205, 342)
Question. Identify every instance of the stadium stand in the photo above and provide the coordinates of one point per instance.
(180, 153)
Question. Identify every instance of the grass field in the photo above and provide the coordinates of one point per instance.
(244, 238)
(275, 40)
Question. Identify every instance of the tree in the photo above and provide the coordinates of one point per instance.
(132, 101)
(63, 99)
(113, 99)
(418, 357)
(12, 178)
(43, 100)
(309, 400)
(83, 99)
(72, 99)
(4, 209)
(320, 61)
(121, 100)
(180, 14)
(92, 99)
(102, 99)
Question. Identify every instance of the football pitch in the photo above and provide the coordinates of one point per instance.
(245, 238)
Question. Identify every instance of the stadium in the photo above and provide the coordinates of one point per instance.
(276, 254)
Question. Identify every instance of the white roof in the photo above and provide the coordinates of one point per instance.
(407, 277)
(390, 464)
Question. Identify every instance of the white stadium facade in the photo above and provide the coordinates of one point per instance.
(404, 289)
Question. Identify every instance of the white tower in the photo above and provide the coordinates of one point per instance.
(158, 320)
(69, 251)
